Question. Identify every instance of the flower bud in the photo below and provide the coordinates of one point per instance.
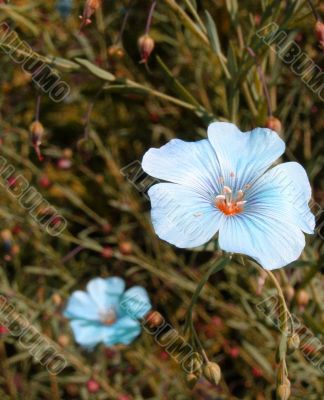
(319, 32)
(107, 252)
(63, 340)
(153, 319)
(289, 292)
(72, 389)
(212, 372)
(274, 124)
(126, 248)
(116, 52)
(283, 390)
(64, 163)
(93, 386)
(191, 380)
(257, 372)
(44, 181)
(293, 342)
(89, 9)
(36, 130)
(146, 46)
(195, 364)
(302, 299)
(57, 299)
(6, 235)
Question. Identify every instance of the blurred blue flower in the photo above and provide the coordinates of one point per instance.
(223, 184)
(106, 313)
(64, 7)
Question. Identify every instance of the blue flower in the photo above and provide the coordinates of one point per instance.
(106, 313)
(223, 184)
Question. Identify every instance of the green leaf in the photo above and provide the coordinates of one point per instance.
(212, 34)
(258, 357)
(176, 85)
(99, 72)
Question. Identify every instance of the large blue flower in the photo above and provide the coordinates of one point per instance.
(223, 184)
(105, 313)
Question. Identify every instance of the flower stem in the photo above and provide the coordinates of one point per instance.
(149, 18)
(315, 13)
(189, 321)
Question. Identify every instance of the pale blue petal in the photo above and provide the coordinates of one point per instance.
(106, 292)
(89, 334)
(135, 302)
(125, 330)
(192, 164)
(246, 155)
(295, 187)
(81, 305)
(269, 229)
(273, 243)
(182, 216)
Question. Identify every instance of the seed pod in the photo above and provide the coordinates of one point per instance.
(146, 46)
(195, 364)
(283, 390)
(212, 372)
(274, 124)
(191, 380)
(293, 342)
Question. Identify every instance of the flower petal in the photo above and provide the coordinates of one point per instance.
(135, 302)
(271, 242)
(125, 330)
(89, 334)
(106, 292)
(182, 216)
(81, 305)
(269, 229)
(246, 155)
(296, 188)
(192, 164)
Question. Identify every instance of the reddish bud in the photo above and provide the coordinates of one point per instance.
(16, 230)
(153, 319)
(89, 9)
(274, 124)
(126, 248)
(146, 46)
(257, 372)
(64, 163)
(3, 330)
(93, 386)
(319, 32)
(44, 181)
(234, 352)
(36, 130)
(116, 52)
(302, 299)
(107, 252)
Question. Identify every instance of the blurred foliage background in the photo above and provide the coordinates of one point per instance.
(103, 126)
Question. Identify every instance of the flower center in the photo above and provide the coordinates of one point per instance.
(109, 317)
(229, 204)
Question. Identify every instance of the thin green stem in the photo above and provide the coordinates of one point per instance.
(212, 270)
